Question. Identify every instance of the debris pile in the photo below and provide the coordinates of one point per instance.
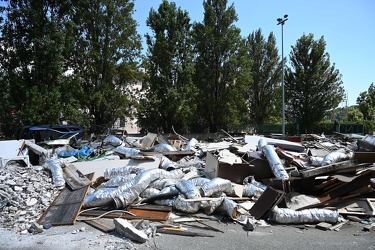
(146, 184)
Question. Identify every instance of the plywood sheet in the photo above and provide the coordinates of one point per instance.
(65, 208)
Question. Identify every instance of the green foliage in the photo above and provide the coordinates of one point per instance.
(169, 95)
(366, 103)
(102, 47)
(31, 54)
(263, 95)
(354, 115)
(219, 67)
(312, 84)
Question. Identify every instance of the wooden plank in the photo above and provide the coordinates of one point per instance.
(326, 169)
(100, 225)
(66, 206)
(138, 213)
(74, 178)
(149, 140)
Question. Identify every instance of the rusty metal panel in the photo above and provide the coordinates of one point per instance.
(266, 202)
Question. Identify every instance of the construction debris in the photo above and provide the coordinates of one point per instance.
(141, 181)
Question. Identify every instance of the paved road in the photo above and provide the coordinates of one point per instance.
(351, 236)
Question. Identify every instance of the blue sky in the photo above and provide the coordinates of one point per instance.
(348, 27)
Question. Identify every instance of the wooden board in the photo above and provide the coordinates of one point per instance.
(74, 178)
(326, 169)
(66, 206)
(147, 213)
(101, 226)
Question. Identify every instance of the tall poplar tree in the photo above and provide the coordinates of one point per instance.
(168, 99)
(220, 67)
(264, 94)
(313, 85)
(31, 58)
(103, 48)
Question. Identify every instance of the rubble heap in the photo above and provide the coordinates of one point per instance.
(248, 179)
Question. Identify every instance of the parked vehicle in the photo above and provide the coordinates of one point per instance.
(49, 132)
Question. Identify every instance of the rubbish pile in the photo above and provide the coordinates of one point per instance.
(146, 184)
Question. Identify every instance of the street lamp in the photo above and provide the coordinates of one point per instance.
(282, 22)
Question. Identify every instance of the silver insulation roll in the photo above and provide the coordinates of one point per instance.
(186, 206)
(54, 165)
(163, 148)
(117, 181)
(112, 140)
(127, 152)
(191, 144)
(174, 174)
(314, 215)
(199, 181)
(273, 159)
(316, 161)
(160, 184)
(105, 196)
(251, 180)
(166, 163)
(149, 192)
(188, 189)
(170, 190)
(165, 202)
(250, 190)
(261, 143)
(109, 173)
(141, 182)
(229, 207)
(210, 206)
(217, 185)
(336, 156)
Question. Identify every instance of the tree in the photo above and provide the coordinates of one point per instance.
(103, 48)
(354, 115)
(263, 98)
(32, 62)
(366, 103)
(312, 84)
(168, 99)
(221, 67)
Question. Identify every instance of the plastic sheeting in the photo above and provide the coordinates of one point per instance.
(217, 185)
(188, 189)
(273, 159)
(336, 156)
(112, 140)
(54, 165)
(314, 215)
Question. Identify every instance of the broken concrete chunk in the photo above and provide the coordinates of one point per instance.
(125, 228)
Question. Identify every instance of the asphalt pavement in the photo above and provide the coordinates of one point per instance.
(233, 236)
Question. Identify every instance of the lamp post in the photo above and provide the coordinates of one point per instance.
(282, 22)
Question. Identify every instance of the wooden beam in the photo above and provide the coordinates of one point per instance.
(326, 169)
